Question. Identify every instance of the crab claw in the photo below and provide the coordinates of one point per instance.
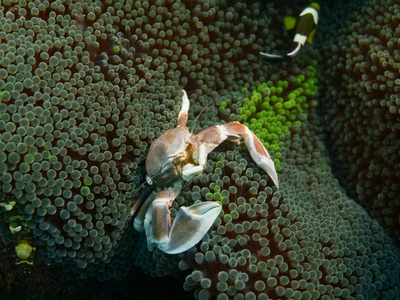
(234, 132)
(189, 227)
(261, 156)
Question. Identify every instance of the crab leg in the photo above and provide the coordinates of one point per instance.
(183, 114)
(142, 198)
(141, 213)
(234, 132)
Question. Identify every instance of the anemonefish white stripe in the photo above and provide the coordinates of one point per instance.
(312, 11)
(300, 38)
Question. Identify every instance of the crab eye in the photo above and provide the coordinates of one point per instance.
(149, 180)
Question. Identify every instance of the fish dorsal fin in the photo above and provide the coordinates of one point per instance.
(316, 6)
(290, 22)
(310, 36)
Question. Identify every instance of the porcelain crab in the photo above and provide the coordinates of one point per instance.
(174, 158)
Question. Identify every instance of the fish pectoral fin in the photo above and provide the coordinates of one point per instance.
(290, 22)
(310, 36)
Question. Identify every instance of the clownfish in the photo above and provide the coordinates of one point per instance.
(304, 31)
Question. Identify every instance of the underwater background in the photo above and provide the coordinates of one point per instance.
(87, 86)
